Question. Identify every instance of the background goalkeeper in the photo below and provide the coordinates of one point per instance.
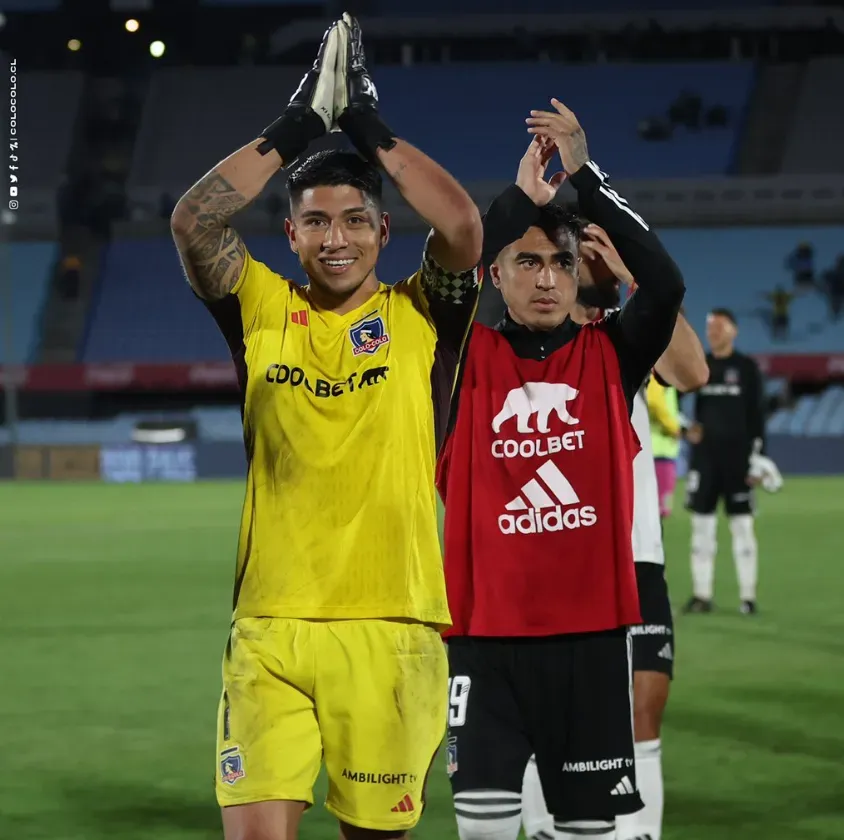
(339, 600)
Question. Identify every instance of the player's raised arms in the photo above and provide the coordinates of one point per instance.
(435, 195)
(440, 200)
(211, 251)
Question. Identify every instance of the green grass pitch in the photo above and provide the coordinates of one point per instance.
(115, 604)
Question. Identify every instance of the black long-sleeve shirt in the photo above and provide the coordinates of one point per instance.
(642, 328)
(731, 406)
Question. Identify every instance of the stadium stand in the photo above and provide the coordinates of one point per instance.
(52, 104)
(817, 129)
(387, 8)
(813, 415)
(489, 105)
(447, 7)
(736, 267)
(145, 312)
(32, 263)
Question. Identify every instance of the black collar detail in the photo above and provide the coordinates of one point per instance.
(536, 344)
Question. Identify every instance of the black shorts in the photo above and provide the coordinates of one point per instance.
(653, 639)
(719, 474)
(566, 699)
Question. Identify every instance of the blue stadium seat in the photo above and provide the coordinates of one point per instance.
(780, 421)
(736, 267)
(441, 8)
(827, 405)
(145, 310)
(31, 269)
(479, 131)
(835, 425)
(803, 410)
(477, 128)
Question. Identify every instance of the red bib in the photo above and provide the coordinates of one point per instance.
(537, 480)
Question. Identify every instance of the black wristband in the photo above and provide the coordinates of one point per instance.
(291, 133)
(367, 131)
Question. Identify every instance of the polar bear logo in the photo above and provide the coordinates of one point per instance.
(539, 398)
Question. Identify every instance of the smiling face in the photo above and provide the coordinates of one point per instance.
(537, 277)
(338, 233)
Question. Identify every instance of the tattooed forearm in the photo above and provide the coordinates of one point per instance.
(396, 172)
(211, 251)
(579, 151)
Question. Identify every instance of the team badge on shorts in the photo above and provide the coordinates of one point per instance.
(368, 334)
(231, 766)
(451, 756)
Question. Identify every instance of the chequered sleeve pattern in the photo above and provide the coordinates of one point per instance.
(448, 286)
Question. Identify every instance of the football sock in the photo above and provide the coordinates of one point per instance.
(745, 555)
(488, 814)
(704, 546)
(536, 821)
(647, 823)
(583, 829)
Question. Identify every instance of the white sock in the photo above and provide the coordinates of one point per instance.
(488, 814)
(745, 555)
(584, 830)
(536, 821)
(647, 823)
(704, 546)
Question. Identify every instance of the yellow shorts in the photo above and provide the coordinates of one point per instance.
(367, 696)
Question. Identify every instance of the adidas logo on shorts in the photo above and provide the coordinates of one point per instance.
(666, 652)
(624, 787)
(405, 805)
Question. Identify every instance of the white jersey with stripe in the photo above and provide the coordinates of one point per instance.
(647, 530)
(647, 526)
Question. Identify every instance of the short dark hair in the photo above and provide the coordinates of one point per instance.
(725, 313)
(335, 168)
(555, 221)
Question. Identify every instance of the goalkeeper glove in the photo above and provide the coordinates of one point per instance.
(356, 99)
(765, 471)
(310, 112)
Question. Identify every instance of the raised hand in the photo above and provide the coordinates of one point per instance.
(310, 111)
(597, 247)
(531, 175)
(355, 96)
(562, 128)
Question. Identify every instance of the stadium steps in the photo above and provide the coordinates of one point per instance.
(770, 111)
(65, 321)
(816, 130)
(64, 318)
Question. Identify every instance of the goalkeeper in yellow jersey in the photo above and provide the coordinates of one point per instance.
(666, 432)
(335, 650)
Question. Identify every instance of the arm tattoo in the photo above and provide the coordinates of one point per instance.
(396, 174)
(579, 150)
(212, 252)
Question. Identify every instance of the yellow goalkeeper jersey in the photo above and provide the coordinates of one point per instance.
(342, 418)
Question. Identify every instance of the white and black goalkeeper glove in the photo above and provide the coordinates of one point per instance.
(310, 112)
(356, 99)
(764, 470)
